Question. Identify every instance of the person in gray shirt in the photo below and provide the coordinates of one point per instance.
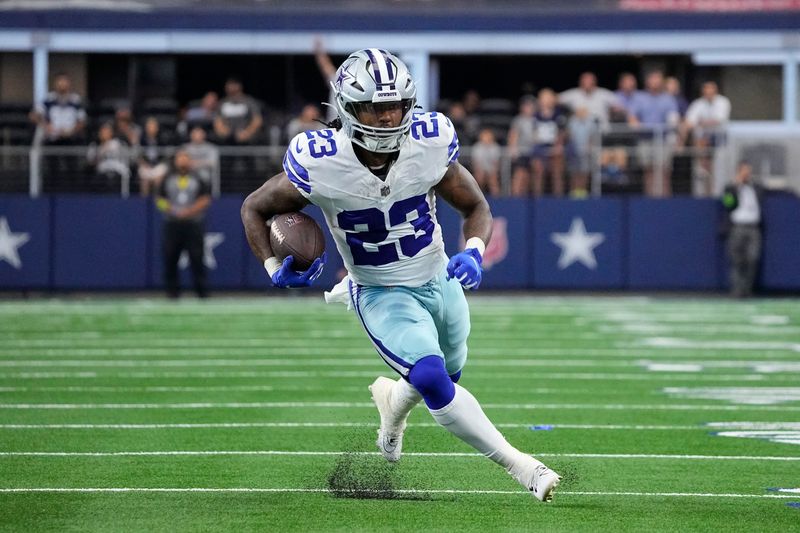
(204, 155)
(184, 198)
(239, 119)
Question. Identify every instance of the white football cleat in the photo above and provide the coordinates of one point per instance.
(540, 480)
(390, 439)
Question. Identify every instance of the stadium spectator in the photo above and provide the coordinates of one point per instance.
(152, 166)
(742, 201)
(655, 113)
(619, 143)
(597, 101)
(183, 198)
(705, 123)
(467, 127)
(520, 142)
(548, 151)
(471, 124)
(673, 87)
(328, 72)
(486, 154)
(308, 119)
(62, 119)
(582, 127)
(627, 92)
(125, 129)
(62, 114)
(110, 158)
(200, 113)
(238, 122)
(239, 119)
(204, 155)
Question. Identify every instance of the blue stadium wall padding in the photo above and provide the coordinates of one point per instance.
(224, 246)
(256, 277)
(673, 244)
(24, 242)
(510, 250)
(96, 242)
(578, 243)
(100, 242)
(780, 268)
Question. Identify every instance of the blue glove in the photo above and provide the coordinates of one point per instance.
(466, 268)
(286, 278)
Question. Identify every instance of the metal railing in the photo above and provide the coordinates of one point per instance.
(619, 159)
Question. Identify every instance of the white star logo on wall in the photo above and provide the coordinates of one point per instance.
(9, 244)
(210, 241)
(577, 245)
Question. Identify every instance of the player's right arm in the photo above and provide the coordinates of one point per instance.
(275, 197)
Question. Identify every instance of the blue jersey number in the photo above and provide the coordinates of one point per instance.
(425, 128)
(369, 226)
(321, 143)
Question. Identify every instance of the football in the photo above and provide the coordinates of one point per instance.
(298, 235)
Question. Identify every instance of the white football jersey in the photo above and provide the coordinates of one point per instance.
(385, 230)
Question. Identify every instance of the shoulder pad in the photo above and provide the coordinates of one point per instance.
(295, 163)
(435, 129)
(307, 150)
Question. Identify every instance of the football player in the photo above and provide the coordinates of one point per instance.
(376, 174)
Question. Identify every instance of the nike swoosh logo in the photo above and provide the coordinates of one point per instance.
(297, 147)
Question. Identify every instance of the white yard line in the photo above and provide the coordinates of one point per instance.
(478, 373)
(484, 348)
(244, 425)
(201, 453)
(291, 490)
(767, 365)
(370, 405)
(750, 345)
(290, 362)
(539, 427)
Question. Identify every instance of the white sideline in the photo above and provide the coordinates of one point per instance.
(289, 490)
(513, 406)
(407, 454)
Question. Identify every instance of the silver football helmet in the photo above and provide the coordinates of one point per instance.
(367, 82)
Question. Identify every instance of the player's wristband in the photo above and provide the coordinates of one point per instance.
(477, 243)
(272, 265)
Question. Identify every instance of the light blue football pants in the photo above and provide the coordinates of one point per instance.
(406, 324)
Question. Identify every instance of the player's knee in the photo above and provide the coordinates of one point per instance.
(431, 380)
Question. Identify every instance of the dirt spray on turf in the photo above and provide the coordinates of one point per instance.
(366, 476)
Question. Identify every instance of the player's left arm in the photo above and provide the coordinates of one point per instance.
(459, 189)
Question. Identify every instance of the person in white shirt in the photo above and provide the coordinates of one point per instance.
(596, 100)
(706, 119)
(742, 200)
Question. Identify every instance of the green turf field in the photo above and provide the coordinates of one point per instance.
(240, 414)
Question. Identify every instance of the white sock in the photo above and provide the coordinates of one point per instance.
(464, 418)
(402, 400)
